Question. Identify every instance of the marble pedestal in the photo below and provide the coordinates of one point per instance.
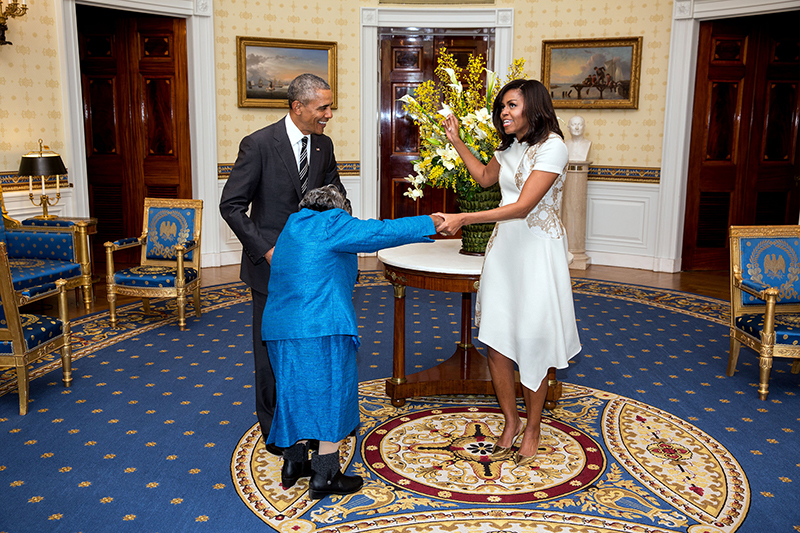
(573, 212)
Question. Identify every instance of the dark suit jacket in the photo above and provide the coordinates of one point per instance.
(265, 179)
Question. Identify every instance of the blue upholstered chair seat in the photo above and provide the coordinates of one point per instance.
(152, 276)
(787, 327)
(37, 329)
(31, 272)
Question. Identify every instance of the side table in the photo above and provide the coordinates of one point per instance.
(438, 266)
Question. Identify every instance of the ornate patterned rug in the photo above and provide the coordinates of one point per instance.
(158, 432)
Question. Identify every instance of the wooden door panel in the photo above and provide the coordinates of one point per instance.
(135, 91)
(406, 62)
(742, 162)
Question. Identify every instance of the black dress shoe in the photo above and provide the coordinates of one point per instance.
(273, 449)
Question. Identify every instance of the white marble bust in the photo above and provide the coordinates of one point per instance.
(578, 146)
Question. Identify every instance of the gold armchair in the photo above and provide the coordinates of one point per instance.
(170, 260)
(26, 338)
(765, 296)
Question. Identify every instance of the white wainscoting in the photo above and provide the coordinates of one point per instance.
(19, 206)
(621, 224)
(231, 249)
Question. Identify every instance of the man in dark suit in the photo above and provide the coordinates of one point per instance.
(274, 169)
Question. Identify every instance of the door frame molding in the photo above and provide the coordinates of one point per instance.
(686, 18)
(202, 101)
(502, 20)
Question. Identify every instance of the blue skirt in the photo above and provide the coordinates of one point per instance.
(317, 388)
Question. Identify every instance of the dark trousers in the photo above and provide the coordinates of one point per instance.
(265, 380)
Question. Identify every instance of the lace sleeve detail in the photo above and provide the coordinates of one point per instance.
(545, 218)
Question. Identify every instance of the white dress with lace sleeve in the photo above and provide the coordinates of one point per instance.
(524, 307)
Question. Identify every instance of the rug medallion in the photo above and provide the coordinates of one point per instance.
(605, 463)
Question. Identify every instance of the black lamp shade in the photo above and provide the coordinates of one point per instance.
(46, 164)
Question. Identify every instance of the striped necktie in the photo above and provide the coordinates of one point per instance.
(304, 166)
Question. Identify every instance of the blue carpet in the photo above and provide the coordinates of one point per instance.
(147, 438)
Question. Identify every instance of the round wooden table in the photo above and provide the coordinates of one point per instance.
(438, 266)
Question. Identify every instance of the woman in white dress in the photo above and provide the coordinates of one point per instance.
(524, 308)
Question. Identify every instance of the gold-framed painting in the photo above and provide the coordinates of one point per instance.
(265, 67)
(593, 73)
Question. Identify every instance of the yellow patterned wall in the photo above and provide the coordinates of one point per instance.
(629, 138)
(620, 137)
(321, 20)
(31, 103)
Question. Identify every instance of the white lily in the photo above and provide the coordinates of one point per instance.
(445, 111)
(491, 80)
(454, 83)
(483, 115)
(470, 121)
(449, 156)
(413, 194)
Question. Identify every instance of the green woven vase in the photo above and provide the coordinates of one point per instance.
(475, 237)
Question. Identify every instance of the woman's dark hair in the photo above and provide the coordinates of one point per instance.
(537, 107)
(324, 198)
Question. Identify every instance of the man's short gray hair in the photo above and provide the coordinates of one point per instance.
(305, 87)
(325, 198)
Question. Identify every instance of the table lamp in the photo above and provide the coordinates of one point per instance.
(41, 164)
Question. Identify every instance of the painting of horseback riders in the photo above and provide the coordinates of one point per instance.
(593, 73)
(266, 67)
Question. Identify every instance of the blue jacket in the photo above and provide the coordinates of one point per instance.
(315, 266)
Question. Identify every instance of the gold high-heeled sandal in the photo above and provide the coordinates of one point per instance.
(500, 453)
(524, 460)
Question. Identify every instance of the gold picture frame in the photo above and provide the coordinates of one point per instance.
(265, 67)
(593, 73)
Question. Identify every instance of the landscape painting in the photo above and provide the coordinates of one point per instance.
(266, 67)
(593, 73)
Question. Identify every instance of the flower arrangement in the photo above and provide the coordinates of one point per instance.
(460, 92)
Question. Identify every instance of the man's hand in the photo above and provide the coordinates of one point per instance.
(268, 255)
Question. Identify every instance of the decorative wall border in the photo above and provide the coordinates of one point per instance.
(346, 168)
(10, 181)
(621, 174)
(625, 174)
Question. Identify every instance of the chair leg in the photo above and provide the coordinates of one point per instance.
(796, 366)
(66, 350)
(182, 311)
(197, 301)
(146, 305)
(764, 367)
(22, 387)
(733, 355)
(112, 307)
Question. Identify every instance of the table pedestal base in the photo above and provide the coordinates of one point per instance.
(466, 371)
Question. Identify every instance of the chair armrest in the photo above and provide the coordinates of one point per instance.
(122, 244)
(32, 294)
(754, 288)
(188, 246)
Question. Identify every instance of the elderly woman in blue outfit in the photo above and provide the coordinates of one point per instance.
(309, 325)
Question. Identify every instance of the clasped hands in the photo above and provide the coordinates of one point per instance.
(447, 223)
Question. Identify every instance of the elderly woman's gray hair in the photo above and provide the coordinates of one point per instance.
(325, 198)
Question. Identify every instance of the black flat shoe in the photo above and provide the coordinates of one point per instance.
(294, 470)
(340, 484)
